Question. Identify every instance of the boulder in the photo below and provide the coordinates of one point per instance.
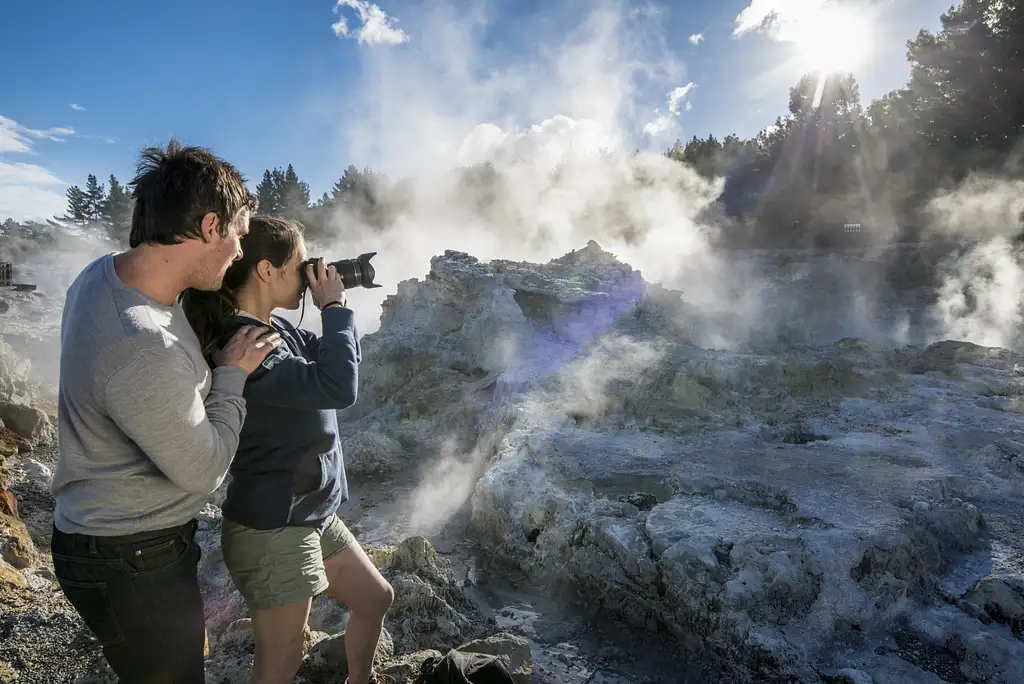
(430, 608)
(328, 661)
(514, 651)
(27, 422)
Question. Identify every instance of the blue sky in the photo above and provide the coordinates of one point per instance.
(400, 84)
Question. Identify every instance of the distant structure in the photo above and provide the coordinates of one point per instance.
(7, 283)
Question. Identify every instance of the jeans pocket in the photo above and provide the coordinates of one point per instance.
(92, 602)
(157, 556)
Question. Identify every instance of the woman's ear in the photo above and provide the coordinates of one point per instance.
(265, 270)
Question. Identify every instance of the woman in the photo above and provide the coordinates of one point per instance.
(282, 540)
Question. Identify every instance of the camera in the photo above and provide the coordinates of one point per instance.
(354, 273)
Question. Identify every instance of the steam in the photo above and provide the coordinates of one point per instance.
(561, 125)
(51, 263)
(981, 295)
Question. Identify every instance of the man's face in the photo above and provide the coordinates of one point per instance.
(221, 252)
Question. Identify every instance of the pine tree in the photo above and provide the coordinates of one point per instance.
(78, 206)
(347, 186)
(95, 195)
(117, 211)
(268, 193)
(294, 195)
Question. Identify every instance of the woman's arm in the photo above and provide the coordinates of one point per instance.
(330, 382)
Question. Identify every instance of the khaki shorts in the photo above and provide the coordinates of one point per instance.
(272, 568)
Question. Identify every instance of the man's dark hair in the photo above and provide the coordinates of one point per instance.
(175, 188)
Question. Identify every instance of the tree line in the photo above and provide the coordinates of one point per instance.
(831, 161)
(827, 162)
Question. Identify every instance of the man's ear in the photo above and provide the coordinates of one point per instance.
(210, 227)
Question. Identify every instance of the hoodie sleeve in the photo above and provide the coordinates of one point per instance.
(328, 382)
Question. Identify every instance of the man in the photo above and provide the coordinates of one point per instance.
(147, 431)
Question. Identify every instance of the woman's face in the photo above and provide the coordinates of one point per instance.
(288, 288)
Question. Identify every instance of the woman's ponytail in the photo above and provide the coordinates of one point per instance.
(207, 312)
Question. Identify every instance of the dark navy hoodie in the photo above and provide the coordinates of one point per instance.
(288, 470)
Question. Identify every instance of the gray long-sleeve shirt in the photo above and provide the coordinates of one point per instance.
(146, 430)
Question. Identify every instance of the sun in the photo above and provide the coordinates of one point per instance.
(831, 39)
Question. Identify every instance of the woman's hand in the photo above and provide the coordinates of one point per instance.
(325, 284)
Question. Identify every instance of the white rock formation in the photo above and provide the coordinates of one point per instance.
(839, 512)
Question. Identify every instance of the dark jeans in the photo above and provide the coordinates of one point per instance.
(139, 594)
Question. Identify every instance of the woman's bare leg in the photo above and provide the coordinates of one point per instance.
(279, 638)
(356, 582)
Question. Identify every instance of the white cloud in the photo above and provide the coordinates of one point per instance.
(676, 96)
(696, 38)
(774, 17)
(77, 107)
(15, 138)
(786, 20)
(675, 100)
(28, 191)
(375, 29)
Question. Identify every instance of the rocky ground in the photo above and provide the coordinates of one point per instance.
(445, 596)
(616, 487)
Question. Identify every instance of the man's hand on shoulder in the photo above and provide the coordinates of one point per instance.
(248, 347)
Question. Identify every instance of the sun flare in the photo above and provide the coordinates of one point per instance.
(831, 39)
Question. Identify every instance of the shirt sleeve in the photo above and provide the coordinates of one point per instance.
(328, 382)
(156, 401)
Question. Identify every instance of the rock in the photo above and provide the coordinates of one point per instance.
(370, 452)
(514, 650)
(7, 673)
(850, 676)
(38, 472)
(328, 662)
(12, 443)
(231, 653)
(999, 599)
(27, 422)
(11, 582)
(759, 500)
(430, 608)
(405, 668)
(14, 371)
(16, 546)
